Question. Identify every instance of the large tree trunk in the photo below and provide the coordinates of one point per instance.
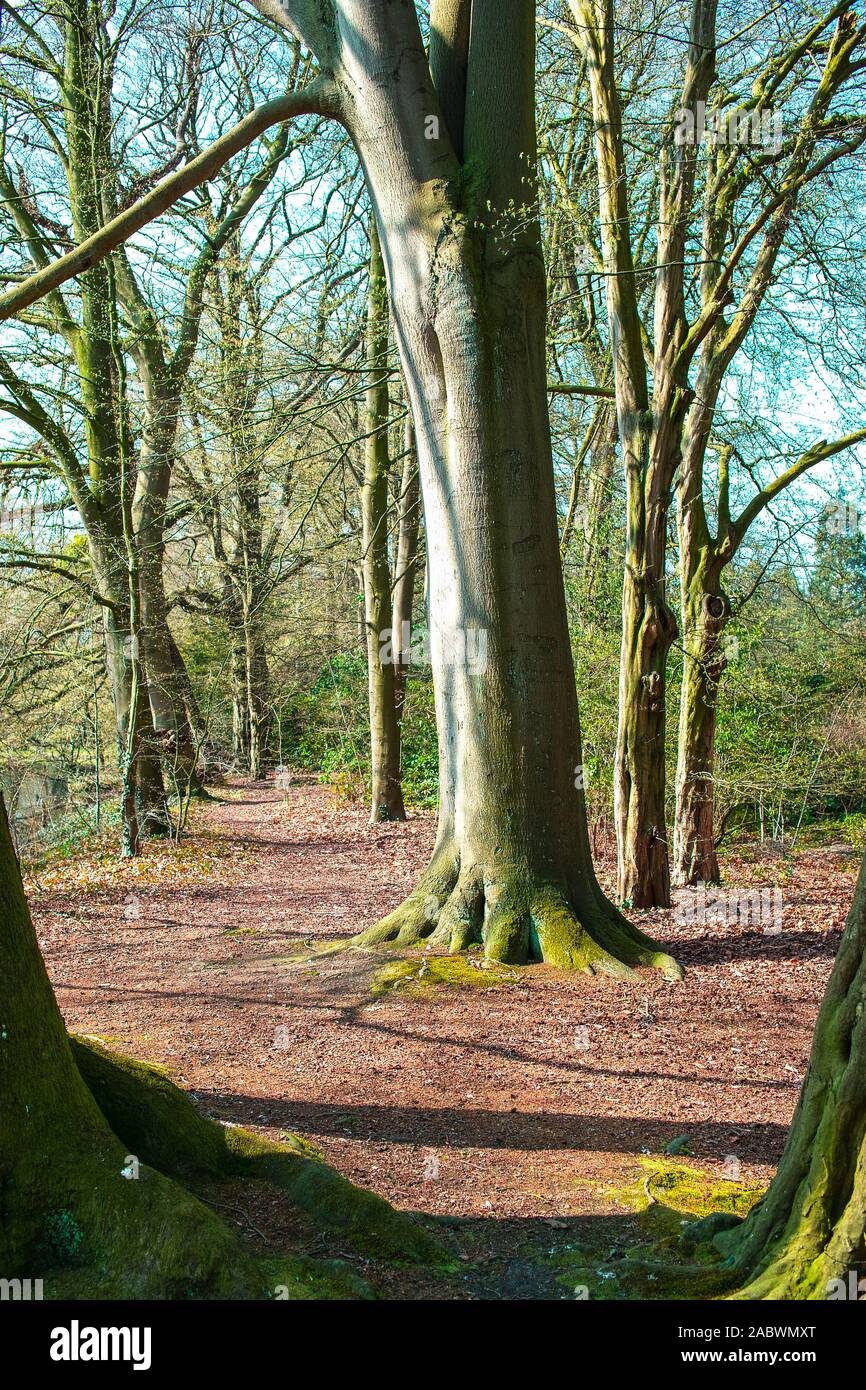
(512, 865)
(386, 795)
(705, 612)
(806, 1239)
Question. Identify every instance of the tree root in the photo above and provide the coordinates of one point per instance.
(159, 1124)
(516, 920)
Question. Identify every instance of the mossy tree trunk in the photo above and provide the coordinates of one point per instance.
(810, 1228)
(96, 485)
(65, 1199)
(706, 613)
(596, 540)
(649, 426)
(76, 1215)
(668, 374)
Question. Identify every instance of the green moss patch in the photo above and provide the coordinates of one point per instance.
(427, 972)
(647, 1254)
(683, 1189)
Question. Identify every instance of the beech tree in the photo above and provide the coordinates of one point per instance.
(465, 273)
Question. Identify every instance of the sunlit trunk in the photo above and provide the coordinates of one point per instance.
(512, 865)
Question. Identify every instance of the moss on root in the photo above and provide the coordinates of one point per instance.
(684, 1189)
(160, 1125)
(517, 921)
(664, 1248)
(427, 972)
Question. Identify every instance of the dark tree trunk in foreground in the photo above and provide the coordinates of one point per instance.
(810, 1228)
(74, 1114)
(386, 793)
(64, 1196)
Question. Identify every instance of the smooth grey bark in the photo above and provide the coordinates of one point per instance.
(512, 864)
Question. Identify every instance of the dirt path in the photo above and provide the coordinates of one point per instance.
(510, 1104)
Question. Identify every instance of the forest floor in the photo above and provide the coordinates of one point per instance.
(529, 1110)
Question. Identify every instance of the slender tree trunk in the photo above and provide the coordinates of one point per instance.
(806, 1239)
(240, 705)
(250, 681)
(705, 612)
(598, 503)
(648, 443)
(196, 720)
(174, 734)
(405, 567)
(648, 629)
(386, 796)
(257, 715)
